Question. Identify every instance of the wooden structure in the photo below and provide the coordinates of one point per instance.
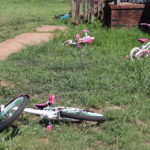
(118, 13)
(86, 10)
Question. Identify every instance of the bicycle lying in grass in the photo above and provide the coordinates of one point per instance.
(143, 50)
(78, 41)
(8, 115)
(48, 112)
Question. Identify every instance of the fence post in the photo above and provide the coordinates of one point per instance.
(84, 12)
(73, 8)
(77, 13)
(92, 9)
(87, 10)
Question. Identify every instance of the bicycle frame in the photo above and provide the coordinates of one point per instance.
(85, 40)
(145, 46)
(49, 113)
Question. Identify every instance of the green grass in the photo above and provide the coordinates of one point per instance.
(96, 77)
(19, 16)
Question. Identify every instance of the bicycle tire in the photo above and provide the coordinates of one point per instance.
(80, 114)
(22, 104)
(133, 52)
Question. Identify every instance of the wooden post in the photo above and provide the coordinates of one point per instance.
(88, 8)
(84, 11)
(92, 10)
(98, 9)
(77, 13)
(81, 11)
(73, 8)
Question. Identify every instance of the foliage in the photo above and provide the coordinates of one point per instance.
(96, 77)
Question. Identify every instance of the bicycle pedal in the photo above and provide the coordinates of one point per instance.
(49, 128)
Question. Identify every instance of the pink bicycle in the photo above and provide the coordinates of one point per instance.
(143, 50)
(48, 112)
(84, 40)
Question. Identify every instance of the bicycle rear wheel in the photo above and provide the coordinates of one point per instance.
(7, 115)
(80, 114)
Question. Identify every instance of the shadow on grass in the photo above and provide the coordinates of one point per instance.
(12, 131)
(45, 122)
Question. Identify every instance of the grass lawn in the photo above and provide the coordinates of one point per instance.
(97, 77)
(17, 16)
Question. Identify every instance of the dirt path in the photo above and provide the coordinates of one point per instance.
(41, 34)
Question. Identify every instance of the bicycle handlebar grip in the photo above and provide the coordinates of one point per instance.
(51, 99)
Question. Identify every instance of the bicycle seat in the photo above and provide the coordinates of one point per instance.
(85, 31)
(142, 40)
(41, 106)
(51, 100)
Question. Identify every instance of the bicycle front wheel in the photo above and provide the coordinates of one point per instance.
(133, 53)
(7, 115)
(80, 114)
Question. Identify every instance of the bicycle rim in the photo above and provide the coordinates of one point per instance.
(8, 116)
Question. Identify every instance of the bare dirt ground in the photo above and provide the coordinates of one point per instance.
(15, 44)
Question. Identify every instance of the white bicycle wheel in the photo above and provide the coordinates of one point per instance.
(80, 114)
(135, 53)
(8, 116)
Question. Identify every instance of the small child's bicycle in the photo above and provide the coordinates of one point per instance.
(143, 50)
(48, 112)
(84, 40)
(8, 115)
(63, 16)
